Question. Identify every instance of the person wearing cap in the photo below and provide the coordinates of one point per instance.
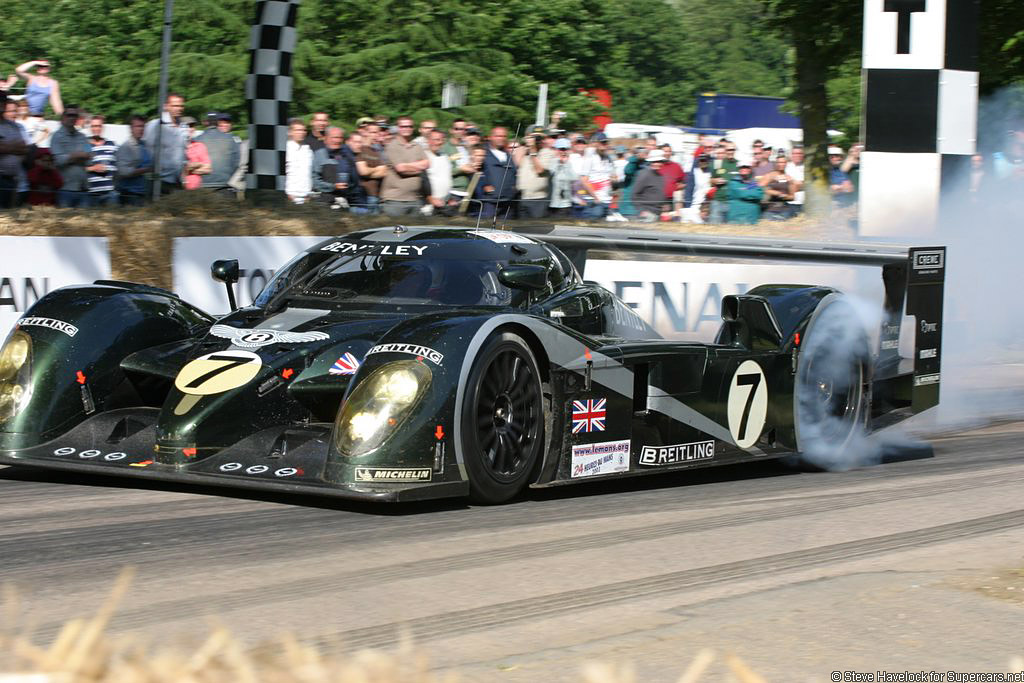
(723, 169)
(649, 188)
(562, 179)
(40, 88)
(197, 158)
(839, 183)
(745, 195)
(697, 189)
(598, 180)
(579, 153)
(71, 152)
(224, 152)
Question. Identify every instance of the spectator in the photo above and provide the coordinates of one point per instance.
(795, 170)
(40, 88)
(318, 124)
(332, 171)
(756, 147)
(563, 179)
(12, 152)
(779, 190)
(620, 162)
(597, 180)
(674, 176)
(371, 167)
(532, 176)
(461, 155)
(401, 191)
(649, 188)
(173, 139)
(134, 162)
(497, 186)
(439, 200)
(455, 135)
(697, 189)
(725, 168)
(102, 168)
(579, 153)
(197, 158)
(851, 167)
(426, 126)
(356, 196)
(44, 180)
(744, 196)
(10, 113)
(763, 163)
(633, 166)
(71, 152)
(224, 155)
(237, 180)
(976, 180)
(1008, 162)
(839, 182)
(469, 203)
(298, 163)
(35, 126)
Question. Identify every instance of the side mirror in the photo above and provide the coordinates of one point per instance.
(226, 271)
(524, 276)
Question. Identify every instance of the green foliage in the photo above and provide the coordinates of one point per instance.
(393, 57)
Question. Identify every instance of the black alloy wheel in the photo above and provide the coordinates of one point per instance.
(503, 419)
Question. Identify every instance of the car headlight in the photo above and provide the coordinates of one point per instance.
(379, 405)
(15, 374)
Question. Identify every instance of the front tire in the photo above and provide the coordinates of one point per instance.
(502, 419)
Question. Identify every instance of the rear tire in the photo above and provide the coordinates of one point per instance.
(502, 419)
(830, 398)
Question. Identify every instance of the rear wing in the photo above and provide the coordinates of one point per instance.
(913, 278)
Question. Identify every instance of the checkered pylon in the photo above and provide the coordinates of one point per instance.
(268, 91)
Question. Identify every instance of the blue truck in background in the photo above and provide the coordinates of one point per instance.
(726, 112)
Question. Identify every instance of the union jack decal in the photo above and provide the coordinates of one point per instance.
(588, 416)
(346, 365)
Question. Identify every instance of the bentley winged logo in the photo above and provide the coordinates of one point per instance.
(255, 338)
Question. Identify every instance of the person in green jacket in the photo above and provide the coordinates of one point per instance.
(636, 162)
(744, 197)
(722, 169)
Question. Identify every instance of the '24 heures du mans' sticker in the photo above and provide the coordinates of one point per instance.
(218, 372)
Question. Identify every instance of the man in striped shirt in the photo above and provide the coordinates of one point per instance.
(102, 167)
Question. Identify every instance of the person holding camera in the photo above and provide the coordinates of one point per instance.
(533, 177)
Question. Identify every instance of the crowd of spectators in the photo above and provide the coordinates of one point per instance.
(406, 168)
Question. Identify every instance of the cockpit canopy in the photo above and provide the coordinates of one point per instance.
(420, 266)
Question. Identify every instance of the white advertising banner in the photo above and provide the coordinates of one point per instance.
(258, 259)
(34, 266)
(683, 300)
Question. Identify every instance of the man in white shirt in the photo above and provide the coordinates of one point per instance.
(298, 164)
(439, 201)
(795, 170)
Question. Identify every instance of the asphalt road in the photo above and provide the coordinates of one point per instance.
(798, 573)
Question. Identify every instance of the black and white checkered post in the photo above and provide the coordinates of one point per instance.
(268, 91)
(920, 109)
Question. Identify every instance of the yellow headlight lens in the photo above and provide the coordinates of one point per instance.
(15, 375)
(14, 355)
(377, 407)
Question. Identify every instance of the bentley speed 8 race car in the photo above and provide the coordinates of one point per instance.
(399, 364)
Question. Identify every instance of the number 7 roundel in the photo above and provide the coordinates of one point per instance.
(748, 403)
(218, 372)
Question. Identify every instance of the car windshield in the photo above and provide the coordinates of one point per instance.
(373, 278)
